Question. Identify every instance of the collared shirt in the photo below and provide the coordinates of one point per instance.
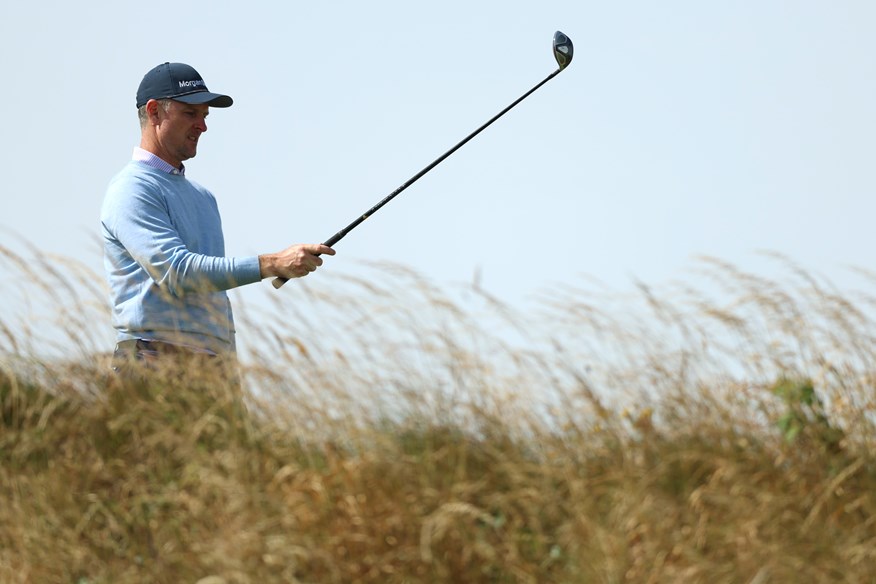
(150, 159)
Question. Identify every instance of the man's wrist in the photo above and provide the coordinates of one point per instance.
(266, 266)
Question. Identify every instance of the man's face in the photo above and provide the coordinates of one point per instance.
(179, 129)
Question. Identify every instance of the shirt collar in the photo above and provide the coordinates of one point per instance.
(150, 159)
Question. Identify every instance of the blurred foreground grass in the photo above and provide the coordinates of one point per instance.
(387, 433)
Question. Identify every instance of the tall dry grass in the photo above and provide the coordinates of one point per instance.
(390, 430)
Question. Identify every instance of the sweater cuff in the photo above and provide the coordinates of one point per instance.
(247, 270)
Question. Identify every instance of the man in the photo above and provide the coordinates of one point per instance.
(163, 243)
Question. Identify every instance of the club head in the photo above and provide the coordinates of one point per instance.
(562, 50)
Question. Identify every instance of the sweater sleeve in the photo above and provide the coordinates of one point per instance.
(137, 215)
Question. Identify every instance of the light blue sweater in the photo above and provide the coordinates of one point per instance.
(164, 255)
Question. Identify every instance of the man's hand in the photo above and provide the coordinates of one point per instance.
(293, 262)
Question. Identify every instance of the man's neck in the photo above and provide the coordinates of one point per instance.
(156, 149)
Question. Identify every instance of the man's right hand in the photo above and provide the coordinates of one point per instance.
(294, 261)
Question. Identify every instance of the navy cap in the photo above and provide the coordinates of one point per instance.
(179, 82)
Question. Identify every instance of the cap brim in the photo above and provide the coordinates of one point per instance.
(205, 97)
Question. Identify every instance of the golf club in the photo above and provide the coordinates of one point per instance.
(563, 50)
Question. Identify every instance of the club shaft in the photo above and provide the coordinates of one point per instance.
(343, 232)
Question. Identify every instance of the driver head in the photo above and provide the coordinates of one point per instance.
(562, 49)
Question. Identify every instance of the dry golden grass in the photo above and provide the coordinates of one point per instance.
(387, 433)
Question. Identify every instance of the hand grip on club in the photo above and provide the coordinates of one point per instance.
(278, 282)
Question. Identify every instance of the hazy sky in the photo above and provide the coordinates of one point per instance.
(682, 128)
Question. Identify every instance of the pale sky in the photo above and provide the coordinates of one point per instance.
(682, 128)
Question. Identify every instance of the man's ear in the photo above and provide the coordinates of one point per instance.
(152, 111)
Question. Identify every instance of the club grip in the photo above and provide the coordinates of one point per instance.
(278, 282)
(331, 241)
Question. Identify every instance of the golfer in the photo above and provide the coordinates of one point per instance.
(164, 251)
